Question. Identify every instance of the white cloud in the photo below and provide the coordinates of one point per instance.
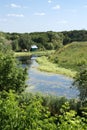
(15, 5)
(40, 14)
(15, 15)
(57, 7)
(49, 1)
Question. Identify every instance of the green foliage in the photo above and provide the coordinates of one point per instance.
(56, 39)
(12, 76)
(29, 115)
(73, 36)
(27, 112)
(81, 83)
(5, 44)
(25, 42)
(9, 111)
(15, 45)
(54, 103)
(44, 40)
(68, 120)
(5, 47)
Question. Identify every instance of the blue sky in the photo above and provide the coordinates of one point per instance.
(42, 15)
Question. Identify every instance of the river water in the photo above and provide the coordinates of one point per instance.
(48, 83)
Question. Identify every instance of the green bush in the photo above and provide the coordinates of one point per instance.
(81, 83)
(12, 76)
(27, 112)
(22, 116)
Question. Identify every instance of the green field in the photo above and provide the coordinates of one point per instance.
(39, 53)
(71, 56)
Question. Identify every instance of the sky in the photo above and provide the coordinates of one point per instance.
(42, 15)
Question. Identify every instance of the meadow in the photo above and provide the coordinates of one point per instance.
(72, 56)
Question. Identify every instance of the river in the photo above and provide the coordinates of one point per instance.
(48, 83)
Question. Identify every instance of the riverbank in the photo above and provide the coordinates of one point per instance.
(39, 53)
(47, 66)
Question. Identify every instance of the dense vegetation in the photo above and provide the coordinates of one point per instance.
(73, 36)
(22, 42)
(25, 111)
(12, 75)
(81, 83)
(34, 112)
(44, 40)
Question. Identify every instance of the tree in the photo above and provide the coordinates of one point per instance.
(12, 76)
(69, 120)
(27, 115)
(25, 41)
(56, 39)
(81, 83)
(15, 45)
(4, 44)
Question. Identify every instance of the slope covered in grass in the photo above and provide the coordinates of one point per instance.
(47, 66)
(71, 56)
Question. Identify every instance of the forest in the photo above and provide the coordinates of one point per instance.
(44, 40)
(20, 110)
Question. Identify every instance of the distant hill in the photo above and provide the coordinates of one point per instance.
(71, 56)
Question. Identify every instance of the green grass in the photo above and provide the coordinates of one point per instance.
(47, 52)
(22, 54)
(71, 56)
(45, 65)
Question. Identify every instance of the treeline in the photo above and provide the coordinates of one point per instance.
(44, 40)
(73, 36)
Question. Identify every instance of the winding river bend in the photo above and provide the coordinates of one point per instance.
(48, 83)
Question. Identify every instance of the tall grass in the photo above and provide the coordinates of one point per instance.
(72, 56)
(46, 65)
(40, 53)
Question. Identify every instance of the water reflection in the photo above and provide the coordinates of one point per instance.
(24, 60)
(47, 83)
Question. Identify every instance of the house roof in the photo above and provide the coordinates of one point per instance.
(34, 46)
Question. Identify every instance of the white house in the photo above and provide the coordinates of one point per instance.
(33, 48)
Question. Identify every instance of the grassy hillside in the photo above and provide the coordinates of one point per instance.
(47, 66)
(71, 56)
